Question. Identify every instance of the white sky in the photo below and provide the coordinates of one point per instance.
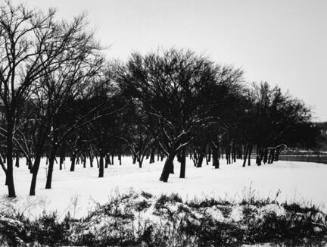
(281, 41)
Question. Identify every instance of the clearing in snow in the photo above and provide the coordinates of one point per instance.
(80, 191)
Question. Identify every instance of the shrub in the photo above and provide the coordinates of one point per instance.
(180, 224)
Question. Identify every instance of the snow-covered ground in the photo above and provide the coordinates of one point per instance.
(79, 191)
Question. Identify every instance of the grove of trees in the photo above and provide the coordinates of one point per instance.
(60, 99)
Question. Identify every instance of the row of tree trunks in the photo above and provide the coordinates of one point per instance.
(199, 155)
(263, 155)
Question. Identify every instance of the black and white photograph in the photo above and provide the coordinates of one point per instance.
(163, 123)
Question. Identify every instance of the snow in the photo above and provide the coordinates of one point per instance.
(80, 191)
(215, 214)
(237, 214)
(277, 209)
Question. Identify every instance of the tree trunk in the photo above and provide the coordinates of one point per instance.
(199, 161)
(97, 160)
(83, 160)
(215, 156)
(152, 156)
(246, 151)
(208, 157)
(33, 184)
(101, 166)
(234, 153)
(61, 162)
(52, 158)
(172, 168)
(106, 161)
(271, 156)
(259, 156)
(167, 167)
(62, 156)
(140, 161)
(182, 160)
(249, 155)
(73, 160)
(9, 157)
(265, 155)
(91, 160)
(26, 162)
(276, 157)
(35, 171)
(228, 149)
(30, 165)
(17, 160)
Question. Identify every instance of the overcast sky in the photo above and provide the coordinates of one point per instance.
(283, 42)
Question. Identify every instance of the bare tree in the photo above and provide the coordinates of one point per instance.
(32, 45)
(176, 90)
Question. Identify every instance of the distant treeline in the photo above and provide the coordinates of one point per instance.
(318, 158)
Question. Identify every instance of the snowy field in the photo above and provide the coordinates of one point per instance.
(78, 192)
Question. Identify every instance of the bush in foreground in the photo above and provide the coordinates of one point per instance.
(144, 220)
